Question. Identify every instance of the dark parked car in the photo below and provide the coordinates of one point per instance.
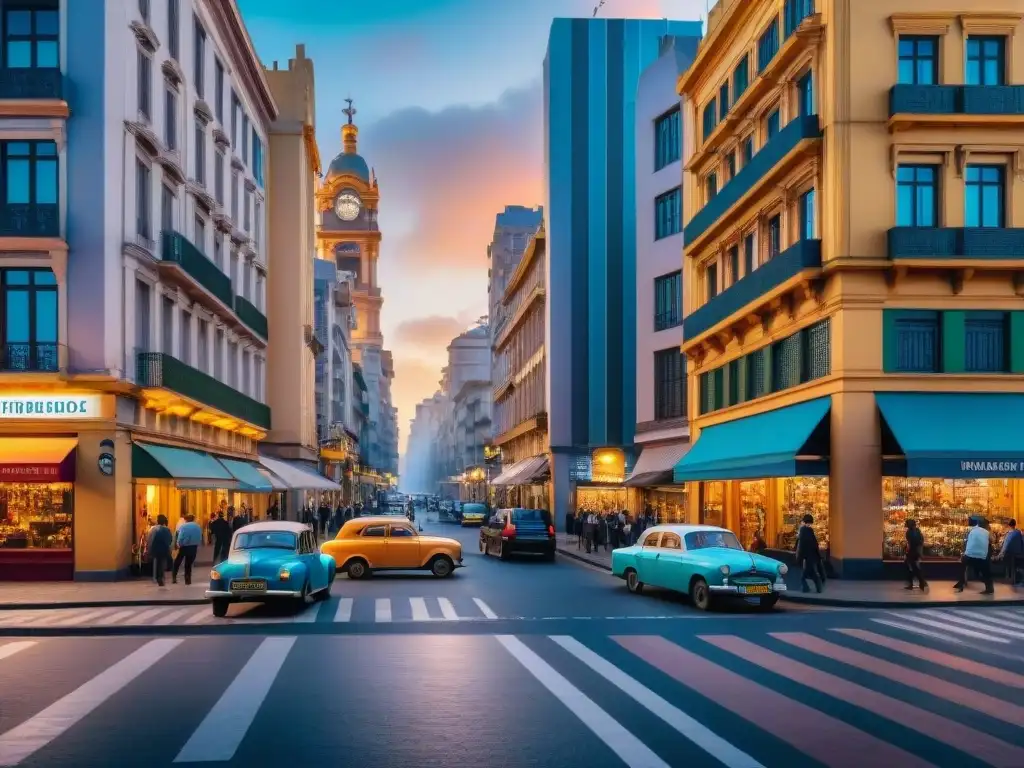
(518, 532)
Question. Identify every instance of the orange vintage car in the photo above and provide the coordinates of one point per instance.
(368, 544)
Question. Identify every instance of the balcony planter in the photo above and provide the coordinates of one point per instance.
(251, 316)
(177, 249)
(981, 243)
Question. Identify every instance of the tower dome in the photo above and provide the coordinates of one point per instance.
(349, 162)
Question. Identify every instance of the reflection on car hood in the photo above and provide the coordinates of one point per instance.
(737, 560)
(439, 541)
(256, 557)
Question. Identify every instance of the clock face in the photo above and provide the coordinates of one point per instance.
(347, 205)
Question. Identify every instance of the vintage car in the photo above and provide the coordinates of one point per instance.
(384, 543)
(473, 514)
(705, 562)
(273, 560)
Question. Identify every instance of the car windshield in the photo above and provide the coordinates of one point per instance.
(265, 540)
(712, 539)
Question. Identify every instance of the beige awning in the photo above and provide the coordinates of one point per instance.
(655, 465)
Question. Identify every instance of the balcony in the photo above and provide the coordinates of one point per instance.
(957, 243)
(31, 83)
(179, 251)
(940, 105)
(30, 357)
(758, 285)
(752, 175)
(29, 220)
(251, 316)
(159, 370)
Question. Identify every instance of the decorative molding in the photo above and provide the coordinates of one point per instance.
(990, 23)
(145, 137)
(202, 110)
(173, 72)
(921, 23)
(145, 35)
(220, 139)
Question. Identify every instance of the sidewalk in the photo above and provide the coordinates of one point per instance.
(850, 594)
(49, 594)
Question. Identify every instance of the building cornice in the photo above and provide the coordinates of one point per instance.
(524, 265)
(250, 70)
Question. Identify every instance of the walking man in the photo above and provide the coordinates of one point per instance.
(189, 537)
(915, 551)
(1013, 547)
(976, 555)
(220, 529)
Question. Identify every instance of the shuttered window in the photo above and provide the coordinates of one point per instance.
(917, 338)
(736, 382)
(757, 383)
(786, 363)
(817, 356)
(985, 348)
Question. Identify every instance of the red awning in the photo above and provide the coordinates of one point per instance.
(37, 459)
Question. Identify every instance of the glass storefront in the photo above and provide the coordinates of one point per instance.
(36, 515)
(753, 512)
(712, 503)
(152, 500)
(796, 497)
(668, 503)
(600, 499)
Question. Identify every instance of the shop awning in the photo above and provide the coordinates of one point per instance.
(297, 477)
(521, 469)
(535, 472)
(656, 464)
(248, 475)
(275, 482)
(37, 460)
(189, 469)
(953, 434)
(787, 442)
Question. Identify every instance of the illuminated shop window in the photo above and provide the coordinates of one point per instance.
(36, 515)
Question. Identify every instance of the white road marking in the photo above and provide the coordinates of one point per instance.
(53, 616)
(115, 617)
(706, 739)
(168, 618)
(140, 618)
(8, 650)
(307, 614)
(344, 610)
(382, 609)
(628, 747)
(10, 618)
(485, 609)
(919, 631)
(999, 621)
(947, 628)
(447, 609)
(217, 738)
(84, 616)
(35, 733)
(419, 609)
(973, 624)
(200, 616)
(1013, 616)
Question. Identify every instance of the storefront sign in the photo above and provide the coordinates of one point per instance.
(51, 407)
(33, 473)
(1006, 468)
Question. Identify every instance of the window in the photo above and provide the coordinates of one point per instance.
(668, 214)
(918, 60)
(259, 290)
(669, 384)
(711, 280)
(666, 139)
(144, 10)
(748, 149)
(247, 211)
(711, 187)
(917, 199)
(30, 320)
(143, 188)
(218, 90)
(259, 379)
(918, 338)
(245, 382)
(668, 299)
(256, 216)
(730, 165)
(245, 137)
(31, 38)
(709, 120)
(218, 249)
(218, 176)
(218, 355)
(257, 158)
(233, 364)
(807, 228)
(786, 363)
(166, 208)
(735, 380)
(749, 254)
(768, 45)
(723, 100)
(30, 172)
(167, 318)
(734, 263)
(173, 28)
(235, 109)
(771, 124)
(200, 152)
(376, 531)
(233, 273)
(234, 196)
(171, 118)
(774, 236)
(986, 60)
(246, 271)
(143, 310)
(985, 193)
(199, 57)
(670, 541)
(200, 235)
(203, 346)
(757, 374)
(817, 350)
(145, 84)
(796, 11)
(185, 337)
(986, 337)
(741, 77)
(805, 94)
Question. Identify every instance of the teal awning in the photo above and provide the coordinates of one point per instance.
(188, 468)
(953, 434)
(248, 476)
(787, 442)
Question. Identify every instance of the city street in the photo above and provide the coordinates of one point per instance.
(514, 664)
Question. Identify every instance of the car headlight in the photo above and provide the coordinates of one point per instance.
(215, 575)
(284, 574)
(725, 570)
(783, 569)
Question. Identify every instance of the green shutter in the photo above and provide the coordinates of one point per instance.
(953, 341)
(889, 357)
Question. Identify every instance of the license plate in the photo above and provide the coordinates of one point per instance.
(249, 585)
(757, 589)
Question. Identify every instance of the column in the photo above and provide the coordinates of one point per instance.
(59, 265)
(130, 310)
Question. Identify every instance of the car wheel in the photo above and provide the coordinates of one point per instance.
(700, 595)
(357, 569)
(503, 553)
(768, 602)
(442, 567)
(633, 583)
(220, 608)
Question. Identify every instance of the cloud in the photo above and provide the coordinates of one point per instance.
(433, 332)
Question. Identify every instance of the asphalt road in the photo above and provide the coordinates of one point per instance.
(558, 678)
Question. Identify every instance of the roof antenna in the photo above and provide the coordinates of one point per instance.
(599, 6)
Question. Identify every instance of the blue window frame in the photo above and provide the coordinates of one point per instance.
(807, 227)
(711, 186)
(796, 11)
(918, 342)
(29, 320)
(768, 45)
(985, 196)
(917, 198)
(918, 60)
(257, 157)
(985, 342)
(710, 119)
(668, 301)
(711, 280)
(723, 100)
(805, 91)
(986, 60)
(669, 384)
(774, 236)
(749, 254)
(666, 139)
(772, 124)
(32, 36)
(668, 214)
(741, 77)
(730, 164)
(734, 263)
(30, 172)
(748, 149)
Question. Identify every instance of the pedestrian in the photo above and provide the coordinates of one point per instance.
(188, 539)
(323, 513)
(570, 521)
(976, 555)
(590, 532)
(915, 551)
(238, 520)
(159, 546)
(274, 512)
(1013, 548)
(808, 554)
(221, 531)
(757, 545)
(627, 532)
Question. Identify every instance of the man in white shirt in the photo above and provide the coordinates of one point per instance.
(976, 555)
(188, 538)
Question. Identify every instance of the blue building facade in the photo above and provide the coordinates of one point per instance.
(591, 73)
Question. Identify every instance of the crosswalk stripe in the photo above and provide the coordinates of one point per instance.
(947, 616)
(50, 617)
(1010, 615)
(35, 733)
(9, 649)
(419, 609)
(947, 628)
(382, 609)
(918, 631)
(703, 737)
(200, 616)
(137, 617)
(628, 747)
(219, 735)
(985, 619)
(84, 616)
(169, 618)
(114, 617)
(344, 609)
(485, 609)
(447, 609)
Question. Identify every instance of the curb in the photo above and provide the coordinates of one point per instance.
(582, 559)
(99, 604)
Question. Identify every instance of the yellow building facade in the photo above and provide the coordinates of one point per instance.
(854, 235)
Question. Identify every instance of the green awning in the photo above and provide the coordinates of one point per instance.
(787, 442)
(247, 475)
(188, 468)
(953, 434)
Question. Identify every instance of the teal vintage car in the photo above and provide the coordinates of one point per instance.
(473, 514)
(705, 562)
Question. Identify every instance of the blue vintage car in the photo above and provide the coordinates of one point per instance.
(271, 561)
(705, 562)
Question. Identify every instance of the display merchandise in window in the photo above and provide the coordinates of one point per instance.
(36, 515)
(668, 505)
(753, 511)
(601, 500)
(712, 506)
(799, 496)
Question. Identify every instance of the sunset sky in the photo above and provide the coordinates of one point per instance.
(448, 94)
